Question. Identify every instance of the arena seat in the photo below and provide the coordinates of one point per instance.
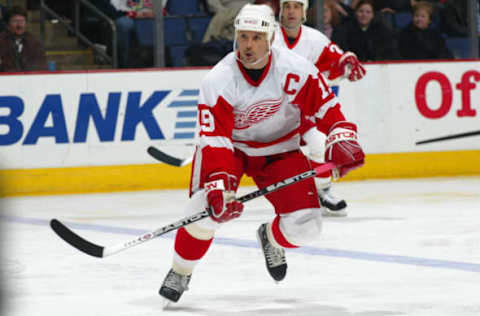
(402, 19)
(174, 31)
(198, 26)
(459, 46)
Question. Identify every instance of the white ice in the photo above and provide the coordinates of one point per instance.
(407, 247)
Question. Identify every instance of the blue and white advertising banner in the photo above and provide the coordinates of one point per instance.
(110, 118)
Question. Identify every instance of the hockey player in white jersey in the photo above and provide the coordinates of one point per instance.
(250, 107)
(334, 64)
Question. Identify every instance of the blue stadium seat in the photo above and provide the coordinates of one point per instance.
(174, 31)
(177, 7)
(198, 26)
(459, 46)
(144, 31)
(402, 19)
(177, 55)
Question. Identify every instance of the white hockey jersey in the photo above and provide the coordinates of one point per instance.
(259, 118)
(314, 46)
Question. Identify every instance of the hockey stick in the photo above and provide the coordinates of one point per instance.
(163, 157)
(100, 251)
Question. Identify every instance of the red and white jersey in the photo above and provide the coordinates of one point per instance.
(314, 46)
(259, 118)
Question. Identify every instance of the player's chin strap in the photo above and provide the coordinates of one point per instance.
(255, 62)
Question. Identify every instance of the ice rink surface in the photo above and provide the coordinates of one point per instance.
(408, 247)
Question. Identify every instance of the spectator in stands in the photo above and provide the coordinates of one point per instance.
(218, 38)
(221, 25)
(454, 18)
(367, 37)
(331, 17)
(333, 13)
(125, 22)
(19, 50)
(418, 40)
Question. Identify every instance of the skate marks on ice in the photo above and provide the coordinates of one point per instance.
(255, 305)
(309, 250)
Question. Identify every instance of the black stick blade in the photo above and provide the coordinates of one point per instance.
(163, 157)
(76, 241)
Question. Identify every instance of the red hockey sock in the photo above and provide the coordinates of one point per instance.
(278, 235)
(189, 247)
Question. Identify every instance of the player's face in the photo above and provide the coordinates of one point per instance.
(292, 14)
(252, 46)
(364, 14)
(421, 19)
(17, 25)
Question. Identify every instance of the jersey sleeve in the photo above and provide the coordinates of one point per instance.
(216, 120)
(328, 61)
(317, 100)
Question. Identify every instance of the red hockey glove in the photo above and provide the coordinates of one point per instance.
(352, 69)
(342, 148)
(221, 197)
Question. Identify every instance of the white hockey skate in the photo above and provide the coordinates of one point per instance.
(274, 257)
(332, 207)
(173, 287)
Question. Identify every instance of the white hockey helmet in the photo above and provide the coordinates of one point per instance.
(305, 8)
(257, 18)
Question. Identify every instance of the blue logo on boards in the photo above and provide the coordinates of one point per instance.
(50, 120)
(186, 114)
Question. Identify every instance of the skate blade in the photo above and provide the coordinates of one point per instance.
(166, 304)
(329, 213)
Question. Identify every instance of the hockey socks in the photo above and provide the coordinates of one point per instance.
(191, 244)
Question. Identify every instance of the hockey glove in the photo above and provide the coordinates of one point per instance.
(342, 148)
(352, 69)
(221, 197)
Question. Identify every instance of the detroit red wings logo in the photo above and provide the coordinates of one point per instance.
(256, 113)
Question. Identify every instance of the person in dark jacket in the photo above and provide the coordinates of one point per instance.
(454, 18)
(418, 40)
(368, 38)
(20, 50)
(2, 14)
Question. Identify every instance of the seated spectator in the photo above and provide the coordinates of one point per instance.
(333, 13)
(218, 38)
(221, 25)
(331, 17)
(19, 50)
(367, 37)
(418, 41)
(125, 22)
